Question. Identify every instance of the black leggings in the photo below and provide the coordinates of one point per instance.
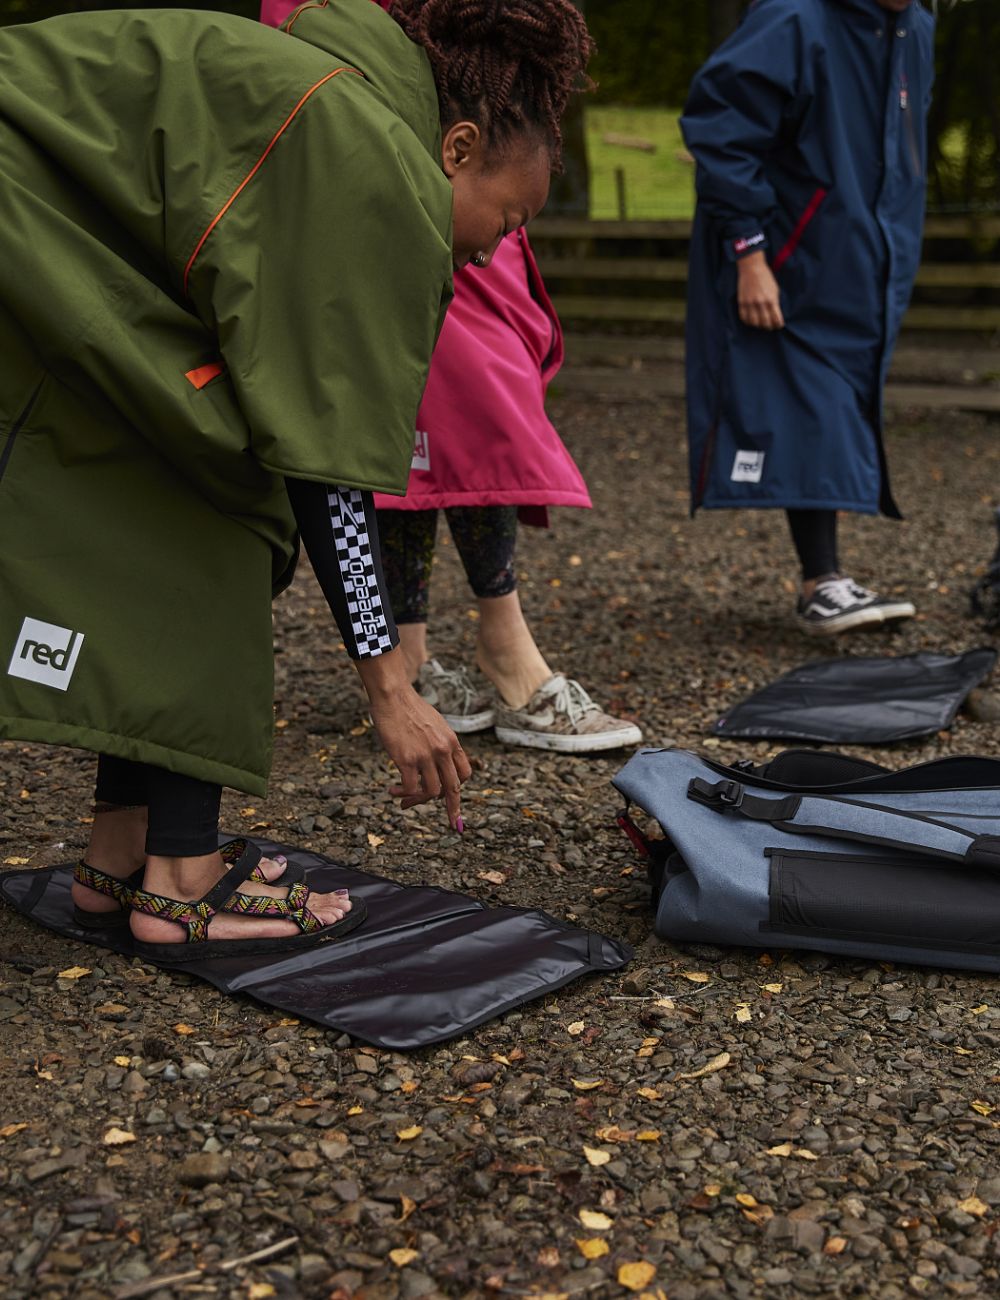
(485, 538)
(814, 533)
(183, 811)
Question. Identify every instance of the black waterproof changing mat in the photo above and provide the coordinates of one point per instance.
(861, 701)
(426, 965)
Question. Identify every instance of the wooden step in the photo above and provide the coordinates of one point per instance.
(922, 316)
(673, 270)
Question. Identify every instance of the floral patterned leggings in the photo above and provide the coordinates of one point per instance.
(485, 538)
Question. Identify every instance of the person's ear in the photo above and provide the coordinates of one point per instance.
(462, 142)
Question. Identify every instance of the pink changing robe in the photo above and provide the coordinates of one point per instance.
(483, 438)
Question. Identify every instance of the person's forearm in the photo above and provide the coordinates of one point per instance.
(384, 676)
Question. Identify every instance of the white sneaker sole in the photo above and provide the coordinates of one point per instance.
(564, 744)
(462, 723)
(866, 617)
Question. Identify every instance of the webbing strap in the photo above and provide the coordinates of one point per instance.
(851, 819)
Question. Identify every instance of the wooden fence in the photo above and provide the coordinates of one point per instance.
(634, 273)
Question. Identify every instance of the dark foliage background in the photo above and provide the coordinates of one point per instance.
(649, 49)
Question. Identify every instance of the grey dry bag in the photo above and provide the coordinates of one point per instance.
(818, 850)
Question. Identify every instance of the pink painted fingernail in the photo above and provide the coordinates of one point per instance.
(341, 891)
(280, 859)
(460, 825)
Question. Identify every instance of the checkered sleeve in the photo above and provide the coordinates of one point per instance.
(340, 535)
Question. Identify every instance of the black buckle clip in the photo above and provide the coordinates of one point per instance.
(730, 793)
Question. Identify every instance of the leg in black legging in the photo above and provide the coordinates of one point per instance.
(814, 533)
(486, 539)
(407, 539)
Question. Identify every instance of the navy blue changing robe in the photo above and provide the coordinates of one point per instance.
(808, 128)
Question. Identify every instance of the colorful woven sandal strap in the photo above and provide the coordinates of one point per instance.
(103, 883)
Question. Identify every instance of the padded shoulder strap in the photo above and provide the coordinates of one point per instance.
(852, 819)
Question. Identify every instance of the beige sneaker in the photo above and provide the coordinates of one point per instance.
(562, 716)
(465, 704)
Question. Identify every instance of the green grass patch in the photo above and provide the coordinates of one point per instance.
(657, 184)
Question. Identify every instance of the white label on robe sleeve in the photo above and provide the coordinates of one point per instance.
(421, 451)
(748, 467)
(45, 653)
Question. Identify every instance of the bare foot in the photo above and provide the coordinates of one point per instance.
(188, 879)
(118, 847)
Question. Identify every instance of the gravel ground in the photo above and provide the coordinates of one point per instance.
(151, 1128)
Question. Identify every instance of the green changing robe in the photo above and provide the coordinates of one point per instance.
(224, 257)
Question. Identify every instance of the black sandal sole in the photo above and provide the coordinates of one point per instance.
(101, 922)
(183, 954)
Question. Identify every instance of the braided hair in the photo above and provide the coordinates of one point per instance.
(510, 66)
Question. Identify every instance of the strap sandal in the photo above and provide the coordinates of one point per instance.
(242, 859)
(112, 887)
(122, 890)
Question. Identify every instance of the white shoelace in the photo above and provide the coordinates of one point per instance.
(573, 700)
(842, 592)
(458, 680)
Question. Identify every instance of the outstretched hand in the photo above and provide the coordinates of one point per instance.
(758, 298)
(431, 762)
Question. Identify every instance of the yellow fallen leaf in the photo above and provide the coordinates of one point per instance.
(74, 973)
(16, 862)
(804, 1154)
(403, 1256)
(117, 1137)
(973, 1205)
(772, 988)
(636, 1276)
(665, 1004)
(595, 1221)
(182, 1029)
(406, 1208)
(982, 1107)
(649, 1093)
(784, 1150)
(644, 1051)
(649, 1135)
(122, 1060)
(9, 1130)
(575, 1028)
(587, 1085)
(978, 1011)
(963, 1051)
(744, 1198)
(261, 1291)
(375, 840)
(743, 1013)
(592, 1247)
(409, 1085)
(716, 1063)
(695, 976)
(614, 1134)
(835, 1246)
(408, 1134)
(596, 1157)
(759, 1215)
(356, 1110)
(248, 812)
(650, 1042)
(713, 1189)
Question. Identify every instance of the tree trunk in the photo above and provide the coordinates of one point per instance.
(723, 16)
(570, 193)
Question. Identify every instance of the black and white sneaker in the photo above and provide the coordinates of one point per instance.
(839, 604)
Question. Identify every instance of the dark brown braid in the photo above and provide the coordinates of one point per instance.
(510, 66)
